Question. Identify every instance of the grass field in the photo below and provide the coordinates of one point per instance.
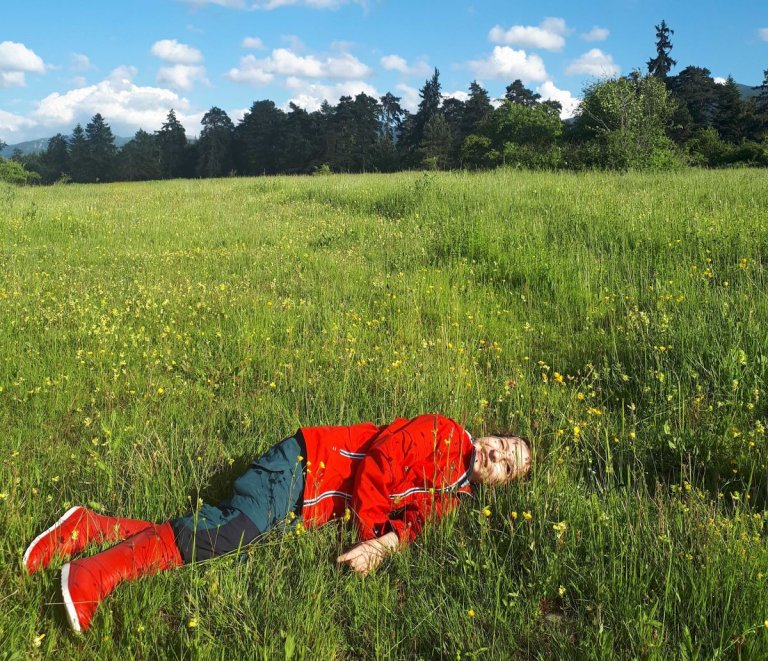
(156, 337)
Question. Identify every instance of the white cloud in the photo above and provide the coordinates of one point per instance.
(283, 62)
(763, 32)
(17, 57)
(79, 62)
(171, 50)
(16, 60)
(311, 95)
(719, 80)
(549, 35)
(253, 42)
(596, 34)
(182, 76)
(397, 63)
(458, 94)
(12, 79)
(569, 102)
(294, 43)
(594, 63)
(250, 72)
(125, 105)
(11, 125)
(409, 97)
(508, 64)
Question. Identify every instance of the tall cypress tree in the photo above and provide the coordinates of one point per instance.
(660, 65)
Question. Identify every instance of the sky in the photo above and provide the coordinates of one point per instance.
(62, 62)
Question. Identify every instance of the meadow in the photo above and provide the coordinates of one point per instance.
(156, 337)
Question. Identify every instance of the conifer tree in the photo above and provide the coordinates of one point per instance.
(661, 65)
(101, 150)
(215, 145)
(78, 155)
(172, 143)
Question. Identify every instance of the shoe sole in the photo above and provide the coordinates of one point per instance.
(37, 539)
(69, 605)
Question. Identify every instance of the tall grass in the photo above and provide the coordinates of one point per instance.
(156, 337)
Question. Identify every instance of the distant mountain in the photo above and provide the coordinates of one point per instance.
(36, 146)
(747, 92)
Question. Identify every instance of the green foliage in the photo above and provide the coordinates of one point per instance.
(628, 118)
(172, 147)
(12, 172)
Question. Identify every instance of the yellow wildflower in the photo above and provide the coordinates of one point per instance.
(471, 613)
(486, 511)
(527, 516)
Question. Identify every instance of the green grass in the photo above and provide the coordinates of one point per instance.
(156, 337)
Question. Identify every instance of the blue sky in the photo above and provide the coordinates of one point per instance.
(61, 62)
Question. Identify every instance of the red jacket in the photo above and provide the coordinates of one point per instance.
(391, 478)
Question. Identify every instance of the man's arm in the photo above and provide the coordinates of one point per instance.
(366, 556)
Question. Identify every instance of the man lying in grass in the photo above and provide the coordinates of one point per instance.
(389, 479)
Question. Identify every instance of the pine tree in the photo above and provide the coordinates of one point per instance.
(78, 155)
(139, 159)
(429, 108)
(729, 118)
(660, 65)
(101, 149)
(477, 109)
(761, 102)
(172, 143)
(520, 94)
(215, 158)
(55, 159)
(260, 138)
(436, 144)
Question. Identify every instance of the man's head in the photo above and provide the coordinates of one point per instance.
(499, 459)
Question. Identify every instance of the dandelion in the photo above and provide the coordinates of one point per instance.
(632, 436)
(558, 378)
(74, 534)
(347, 514)
(576, 431)
(527, 516)
(513, 515)
(486, 512)
(160, 391)
(140, 628)
(561, 591)
(471, 613)
(192, 623)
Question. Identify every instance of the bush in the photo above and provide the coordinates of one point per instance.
(14, 173)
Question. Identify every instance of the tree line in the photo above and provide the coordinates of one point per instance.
(642, 120)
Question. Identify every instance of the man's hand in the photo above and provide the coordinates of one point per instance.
(366, 556)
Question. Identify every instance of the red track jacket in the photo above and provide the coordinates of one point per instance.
(392, 478)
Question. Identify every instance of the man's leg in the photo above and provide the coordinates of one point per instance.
(265, 495)
(73, 532)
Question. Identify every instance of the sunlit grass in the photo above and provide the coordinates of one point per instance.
(156, 337)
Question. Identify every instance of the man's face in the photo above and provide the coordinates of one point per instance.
(500, 459)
